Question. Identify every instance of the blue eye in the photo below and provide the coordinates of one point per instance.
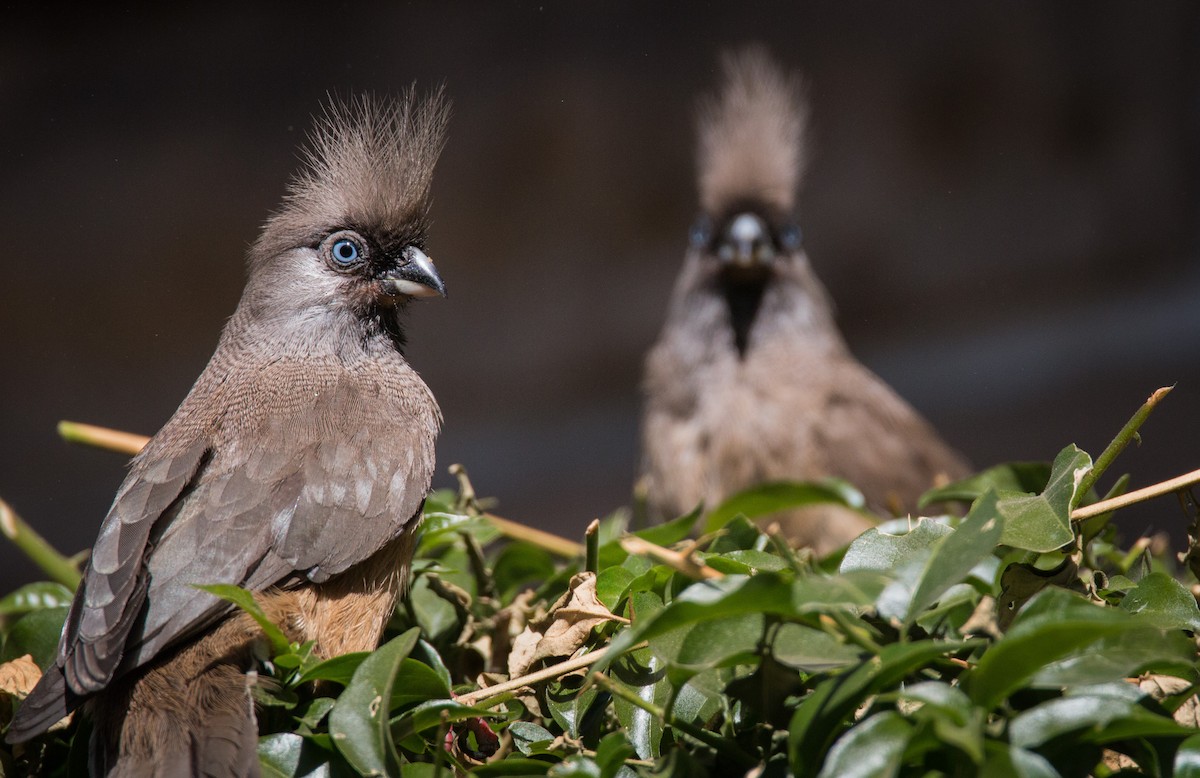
(700, 233)
(790, 237)
(346, 252)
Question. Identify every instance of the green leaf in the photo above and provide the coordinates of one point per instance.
(612, 752)
(512, 766)
(1010, 477)
(526, 734)
(645, 674)
(611, 583)
(415, 682)
(1164, 602)
(245, 600)
(521, 566)
(954, 719)
(672, 531)
(1042, 522)
(871, 749)
(358, 722)
(1133, 650)
(811, 650)
(1053, 625)
(288, 755)
(35, 596)
(36, 633)
(577, 766)
(428, 715)
(716, 643)
(1106, 713)
(1007, 761)
(1187, 758)
(955, 555)
(772, 593)
(778, 496)
(339, 669)
(832, 703)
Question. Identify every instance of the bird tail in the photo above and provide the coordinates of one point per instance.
(751, 135)
(48, 702)
(191, 714)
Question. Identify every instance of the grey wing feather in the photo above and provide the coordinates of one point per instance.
(114, 584)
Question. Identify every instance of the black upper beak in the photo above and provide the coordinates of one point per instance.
(416, 276)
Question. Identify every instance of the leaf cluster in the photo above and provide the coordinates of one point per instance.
(1009, 640)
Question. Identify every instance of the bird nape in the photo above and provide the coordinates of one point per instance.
(750, 380)
(296, 468)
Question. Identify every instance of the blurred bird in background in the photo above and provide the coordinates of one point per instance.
(296, 467)
(750, 380)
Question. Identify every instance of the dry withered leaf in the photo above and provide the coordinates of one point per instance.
(564, 630)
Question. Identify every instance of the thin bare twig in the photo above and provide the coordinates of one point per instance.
(684, 563)
(44, 555)
(1139, 495)
(546, 673)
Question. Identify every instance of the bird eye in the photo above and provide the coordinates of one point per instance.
(789, 237)
(346, 252)
(700, 233)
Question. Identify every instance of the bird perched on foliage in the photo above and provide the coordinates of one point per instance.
(750, 380)
(296, 468)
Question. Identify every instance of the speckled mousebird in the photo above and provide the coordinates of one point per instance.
(296, 467)
(750, 380)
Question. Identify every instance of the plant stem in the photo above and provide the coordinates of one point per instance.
(681, 562)
(1118, 444)
(55, 565)
(711, 739)
(1138, 495)
(102, 437)
(592, 538)
(555, 544)
(545, 674)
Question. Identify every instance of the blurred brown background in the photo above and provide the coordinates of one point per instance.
(1004, 200)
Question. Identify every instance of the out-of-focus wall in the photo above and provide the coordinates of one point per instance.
(1003, 199)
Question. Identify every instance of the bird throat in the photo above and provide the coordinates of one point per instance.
(744, 297)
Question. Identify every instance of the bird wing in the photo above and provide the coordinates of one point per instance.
(301, 493)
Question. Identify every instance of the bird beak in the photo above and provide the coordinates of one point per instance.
(416, 276)
(746, 242)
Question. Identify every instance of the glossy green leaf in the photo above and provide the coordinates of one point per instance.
(512, 767)
(611, 584)
(1010, 477)
(245, 600)
(416, 681)
(871, 749)
(339, 669)
(671, 532)
(832, 703)
(526, 734)
(1042, 522)
(521, 566)
(287, 755)
(35, 596)
(1053, 625)
(778, 496)
(1187, 758)
(358, 722)
(36, 633)
(811, 650)
(1164, 602)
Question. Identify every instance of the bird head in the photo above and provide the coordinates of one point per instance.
(749, 164)
(350, 237)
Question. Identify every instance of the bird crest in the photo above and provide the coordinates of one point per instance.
(751, 135)
(368, 163)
